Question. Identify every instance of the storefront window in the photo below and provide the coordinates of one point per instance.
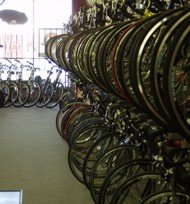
(25, 39)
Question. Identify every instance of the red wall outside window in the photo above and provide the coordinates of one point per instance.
(77, 4)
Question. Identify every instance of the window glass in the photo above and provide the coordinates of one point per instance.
(25, 40)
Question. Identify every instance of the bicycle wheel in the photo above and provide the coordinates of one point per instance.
(91, 50)
(105, 164)
(35, 93)
(108, 141)
(13, 94)
(2, 2)
(64, 100)
(137, 188)
(76, 60)
(119, 176)
(176, 79)
(168, 197)
(80, 146)
(115, 66)
(57, 95)
(76, 116)
(23, 94)
(104, 56)
(60, 114)
(51, 46)
(46, 95)
(66, 116)
(157, 72)
(120, 61)
(64, 51)
(140, 64)
(6, 91)
(85, 123)
(59, 56)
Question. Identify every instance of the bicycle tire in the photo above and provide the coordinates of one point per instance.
(176, 98)
(4, 87)
(120, 59)
(105, 164)
(120, 174)
(85, 124)
(58, 53)
(23, 95)
(139, 67)
(79, 148)
(67, 97)
(13, 88)
(35, 93)
(91, 50)
(66, 116)
(51, 46)
(76, 117)
(57, 95)
(103, 144)
(103, 60)
(116, 68)
(65, 50)
(167, 196)
(137, 187)
(79, 119)
(59, 116)
(46, 95)
(156, 73)
(77, 61)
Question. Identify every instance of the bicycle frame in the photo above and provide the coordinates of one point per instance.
(57, 79)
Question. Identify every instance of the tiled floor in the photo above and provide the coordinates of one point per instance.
(33, 157)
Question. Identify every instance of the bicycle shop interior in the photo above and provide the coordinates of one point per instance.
(94, 102)
(23, 179)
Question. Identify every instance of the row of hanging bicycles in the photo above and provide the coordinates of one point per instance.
(33, 91)
(121, 154)
(126, 118)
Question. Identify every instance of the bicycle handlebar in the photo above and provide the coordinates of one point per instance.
(17, 60)
(9, 61)
(30, 63)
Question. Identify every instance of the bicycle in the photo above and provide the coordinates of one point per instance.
(145, 63)
(35, 88)
(47, 88)
(171, 170)
(13, 88)
(58, 90)
(23, 88)
(4, 88)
